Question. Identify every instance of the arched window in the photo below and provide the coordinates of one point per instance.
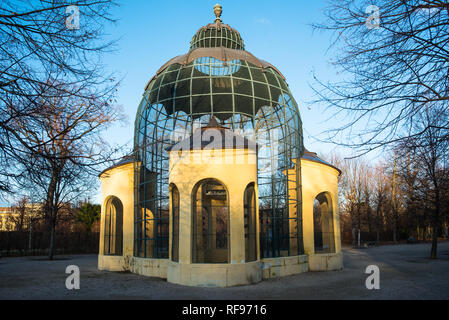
(250, 224)
(323, 224)
(175, 222)
(210, 225)
(113, 230)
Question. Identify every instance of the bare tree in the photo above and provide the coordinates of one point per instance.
(431, 148)
(408, 171)
(391, 69)
(395, 198)
(55, 98)
(67, 133)
(380, 199)
(20, 215)
(42, 46)
(405, 194)
(355, 194)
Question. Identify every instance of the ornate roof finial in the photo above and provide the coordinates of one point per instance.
(218, 9)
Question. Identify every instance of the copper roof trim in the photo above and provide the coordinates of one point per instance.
(312, 156)
(219, 53)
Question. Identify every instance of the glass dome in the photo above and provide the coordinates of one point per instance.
(217, 35)
(249, 96)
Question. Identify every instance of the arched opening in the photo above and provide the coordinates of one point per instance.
(174, 193)
(210, 225)
(113, 229)
(250, 223)
(323, 224)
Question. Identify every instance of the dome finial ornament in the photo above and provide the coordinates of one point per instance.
(218, 9)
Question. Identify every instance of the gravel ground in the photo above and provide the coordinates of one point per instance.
(405, 273)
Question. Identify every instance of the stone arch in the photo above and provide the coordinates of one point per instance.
(323, 223)
(210, 222)
(113, 227)
(174, 206)
(250, 222)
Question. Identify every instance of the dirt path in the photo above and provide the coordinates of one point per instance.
(406, 273)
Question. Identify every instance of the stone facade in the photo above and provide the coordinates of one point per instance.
(316, 178)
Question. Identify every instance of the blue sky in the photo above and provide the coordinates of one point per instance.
(153, 32)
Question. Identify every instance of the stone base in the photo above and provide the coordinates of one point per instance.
(284, 266)
(145, 267)
(326, 262)
(112, 263)
(149, 267)
(214, 275)
(222, 275)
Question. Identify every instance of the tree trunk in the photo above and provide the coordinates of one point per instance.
(435, 227)
(378, 214)
(353, 237)
(52, 208)
(395, 228)
(52, 240)
(433, 250)
(30, 239)
(358, 239)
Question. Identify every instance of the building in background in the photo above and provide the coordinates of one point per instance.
(14, 219)
(5, 213)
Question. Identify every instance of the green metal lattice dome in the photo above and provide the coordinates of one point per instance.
(217, 34)
(217, 78)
